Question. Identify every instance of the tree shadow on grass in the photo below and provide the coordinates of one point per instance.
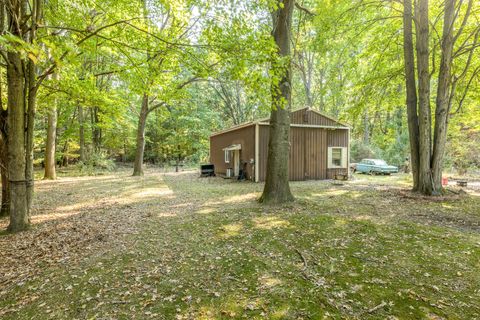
(73, 218)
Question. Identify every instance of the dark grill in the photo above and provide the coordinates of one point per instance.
(207, 170)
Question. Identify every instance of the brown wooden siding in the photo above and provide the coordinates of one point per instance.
(245, 137)
(316, 154)
(297, 154)
(337, 138)
(309, 147)
(308, 153)
(262, 151)
(305, 116)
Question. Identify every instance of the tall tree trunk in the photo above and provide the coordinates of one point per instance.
(424, 112)
(32, 90)
(96, 131)
(322, 89)
(142, 122)
(411, 88)
(81, 133)
(65, 151)
(124, 155)
(50, 145)
(19, 219)
(443, 95)
(366, 127)
(277, 188)
(306, 60)
(50, 172)
(29, 147)
(5, 208)
(22, 95)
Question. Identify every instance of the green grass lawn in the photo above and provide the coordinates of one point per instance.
(174, 246)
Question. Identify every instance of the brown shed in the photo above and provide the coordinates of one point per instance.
(319, 147)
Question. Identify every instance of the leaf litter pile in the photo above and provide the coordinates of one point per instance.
(174, 246)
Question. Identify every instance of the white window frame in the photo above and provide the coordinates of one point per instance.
(344, 158)
(227, 156)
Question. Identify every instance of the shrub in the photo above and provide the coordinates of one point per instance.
(360, 150)
(97, 161)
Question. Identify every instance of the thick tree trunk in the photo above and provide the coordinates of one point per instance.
(366, 127)
(177, 160)
(5, 208)
(96, 131)
(443, 95)
(31, 110)
(277, 188)
(50, 145)
(411, 88)
(306, 62)
(124, 155)
(425, 178)
(50, 172)
(22, 93)
(142, 122)
(32, 89)
(19, 219)
(322, 90)
(81, 134)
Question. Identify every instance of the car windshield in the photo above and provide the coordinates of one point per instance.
(380, 162)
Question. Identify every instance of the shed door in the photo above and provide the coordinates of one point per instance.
(236, 163)
(315, 153)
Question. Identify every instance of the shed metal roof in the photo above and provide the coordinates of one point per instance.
(265, 121)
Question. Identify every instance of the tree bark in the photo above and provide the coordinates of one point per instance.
(22, 83)
(443, 96)
(50, 144)
(29, 146)
(96, 130)
(125, 150)
(366, 127)
(306, 64)
(277, 188)
(5, 207)
(32, 90)
(322, 89)
(81, 134)
(425, 178)
(19, 219)
(411, 89)
(142, 122)
(50, 172)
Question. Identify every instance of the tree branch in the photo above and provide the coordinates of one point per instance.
(306, 10)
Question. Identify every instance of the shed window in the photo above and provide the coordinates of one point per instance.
(227, 156)
(337, 157)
